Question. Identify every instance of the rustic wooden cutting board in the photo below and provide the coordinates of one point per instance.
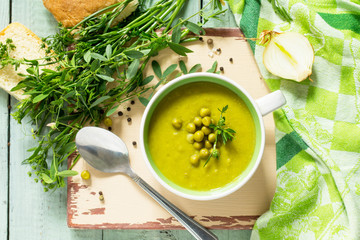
(127, 206)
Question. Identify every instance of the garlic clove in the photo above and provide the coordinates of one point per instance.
(288, 55)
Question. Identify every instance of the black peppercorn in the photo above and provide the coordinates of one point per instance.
(120, 113)
(231, 59)
(128, 119)
(201, 39)
(128, 108)
(109, 128)
(221, 69)
(132, 102)
(134, 143)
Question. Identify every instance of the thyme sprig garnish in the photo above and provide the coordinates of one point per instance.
(89, 71)
(222, 134)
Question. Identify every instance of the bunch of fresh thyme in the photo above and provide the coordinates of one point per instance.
(222, 134)
(83, 60)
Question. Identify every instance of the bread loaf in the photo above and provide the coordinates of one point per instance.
(28, 46)
(71, 12)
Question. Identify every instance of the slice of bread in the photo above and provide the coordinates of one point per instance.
(71, 12)
(28, 46)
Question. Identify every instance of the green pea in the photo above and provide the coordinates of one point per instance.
(206, 121)
(198, 136)
(85, 175)
(190, 138)
(197, 121)
(177, 123)
(194, 159)
(204, 153)
(108, 122)
(204, 112)
(206, 130)
(212, 137)
(190, 127)
(208, 144)
(197, 145)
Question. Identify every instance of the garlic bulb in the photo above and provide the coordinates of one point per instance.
(288, 55)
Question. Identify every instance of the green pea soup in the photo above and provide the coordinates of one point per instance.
(168, 148)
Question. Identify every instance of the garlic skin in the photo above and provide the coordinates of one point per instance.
(288, 55)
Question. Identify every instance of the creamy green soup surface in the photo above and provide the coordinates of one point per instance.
(171, 151)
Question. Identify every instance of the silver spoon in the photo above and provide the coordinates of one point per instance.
(106, 152)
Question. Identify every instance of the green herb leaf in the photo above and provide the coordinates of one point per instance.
(108, 51)
(18, 87)
(98, 57)
(213, 68)
(53, 168)
(147, 80)
(132, 69)
(46, 178)
(31, 71)
(99, 100)
(195, 68)
(39, 97)
(169, 70)
(111, 111)
(179, 49)
(176, 34)
(183, 67)
(134, 54)
(156, 68)
(145, 51)
(106, 78)
(95, 65)
(67, 173)
(67, 148)
(144, 101)
(194, 28)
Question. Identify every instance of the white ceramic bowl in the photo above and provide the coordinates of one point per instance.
(257, 109)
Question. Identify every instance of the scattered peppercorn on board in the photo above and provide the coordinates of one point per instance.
(114, 201)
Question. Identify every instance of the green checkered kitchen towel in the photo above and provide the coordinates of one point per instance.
(318, 131)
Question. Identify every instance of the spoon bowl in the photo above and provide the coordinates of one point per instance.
(106, 152)
(103, 150)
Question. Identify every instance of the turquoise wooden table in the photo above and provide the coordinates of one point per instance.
(26, 212)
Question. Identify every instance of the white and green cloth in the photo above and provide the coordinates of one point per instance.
(318, 131)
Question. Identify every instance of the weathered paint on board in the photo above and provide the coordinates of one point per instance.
(26, 212)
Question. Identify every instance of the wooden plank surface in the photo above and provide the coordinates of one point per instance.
(35, 215)
(4, 118)
(236, 211)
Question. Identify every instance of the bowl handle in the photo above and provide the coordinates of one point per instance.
(271, 102)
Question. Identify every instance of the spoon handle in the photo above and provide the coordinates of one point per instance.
(198, 231)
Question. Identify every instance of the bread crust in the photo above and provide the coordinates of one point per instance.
(71, 12)
(9, 78)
